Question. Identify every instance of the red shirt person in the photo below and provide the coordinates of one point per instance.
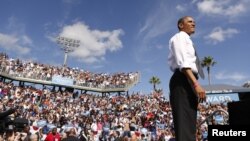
(53, 136)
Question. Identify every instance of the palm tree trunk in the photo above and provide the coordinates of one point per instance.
(209, 78)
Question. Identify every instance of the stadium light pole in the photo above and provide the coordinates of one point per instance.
(67, 45)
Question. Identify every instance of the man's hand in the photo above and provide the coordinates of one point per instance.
(201, 94)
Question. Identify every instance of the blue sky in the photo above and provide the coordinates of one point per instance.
(128, 35)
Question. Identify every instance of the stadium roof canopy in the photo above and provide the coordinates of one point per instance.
(224, 89)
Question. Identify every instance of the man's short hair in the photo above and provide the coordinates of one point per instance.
(181, 20)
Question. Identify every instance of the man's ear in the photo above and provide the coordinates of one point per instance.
(180, 25)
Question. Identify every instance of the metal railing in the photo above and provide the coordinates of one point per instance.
(211, 116)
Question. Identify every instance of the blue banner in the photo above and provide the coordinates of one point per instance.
(62, 80)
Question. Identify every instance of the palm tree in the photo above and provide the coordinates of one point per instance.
(208, 62)
(245, 95)
(246, 84)
(154, 80)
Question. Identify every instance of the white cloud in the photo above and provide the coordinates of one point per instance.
(17, 44)
(158, 22)
(26, 40)
(219, 35)
(181, 8)
(16, 40)
(235, 76)
(194, 1)
(230, 8)
(93, 43)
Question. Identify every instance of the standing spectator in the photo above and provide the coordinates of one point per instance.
(10, 135)
(26, 131)
(53, 135)
(33, 137)
(84, 136)
(71, 136)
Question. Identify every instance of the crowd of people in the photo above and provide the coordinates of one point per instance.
(80, 77)
(89, 117)
(59, 115)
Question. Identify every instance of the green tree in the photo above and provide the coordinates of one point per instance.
(154, 80)
(246, 84)
(208, 62)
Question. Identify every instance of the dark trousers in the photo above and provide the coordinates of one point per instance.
(184, 104)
